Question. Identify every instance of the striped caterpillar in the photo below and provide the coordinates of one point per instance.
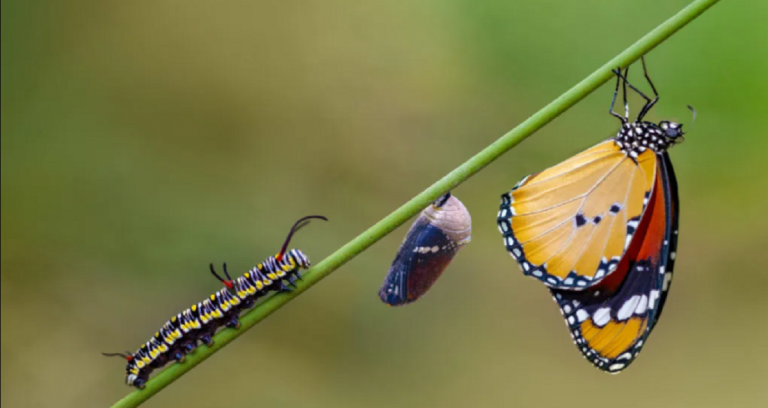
(179, 335)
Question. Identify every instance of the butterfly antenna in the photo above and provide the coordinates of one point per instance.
(694, 114)
(296, 226)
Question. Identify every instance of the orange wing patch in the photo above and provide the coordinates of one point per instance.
(613, 339)
(570, 224)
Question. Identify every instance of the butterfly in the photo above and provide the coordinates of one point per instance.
(600, 231)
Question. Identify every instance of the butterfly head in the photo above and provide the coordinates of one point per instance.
(672, 131)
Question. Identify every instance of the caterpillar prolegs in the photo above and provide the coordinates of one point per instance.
(180, 335)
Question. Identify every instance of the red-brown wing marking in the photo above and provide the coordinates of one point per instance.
(611, 321)
(570, 225)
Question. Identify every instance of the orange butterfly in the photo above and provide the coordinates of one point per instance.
(600, 230)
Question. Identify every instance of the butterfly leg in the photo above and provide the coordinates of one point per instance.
(626, 104)
(615, 94)
(649, 104)
(648, 101)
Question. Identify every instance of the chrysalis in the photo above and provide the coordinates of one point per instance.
(430, 245)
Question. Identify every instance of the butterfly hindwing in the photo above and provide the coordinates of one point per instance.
(570, 224)
(611, 321)
(674, 209)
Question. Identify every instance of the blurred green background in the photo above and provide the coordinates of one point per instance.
(142, 140)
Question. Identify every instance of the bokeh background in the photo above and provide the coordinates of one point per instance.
(142, 140)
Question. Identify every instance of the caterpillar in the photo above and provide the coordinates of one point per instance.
(180, 335)
(439, 232)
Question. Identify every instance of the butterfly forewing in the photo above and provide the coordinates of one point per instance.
(570, 224)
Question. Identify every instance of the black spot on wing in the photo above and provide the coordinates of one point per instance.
(580, 220)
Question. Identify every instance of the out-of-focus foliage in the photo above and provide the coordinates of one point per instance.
(143, 140)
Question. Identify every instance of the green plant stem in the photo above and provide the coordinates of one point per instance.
(412, 207)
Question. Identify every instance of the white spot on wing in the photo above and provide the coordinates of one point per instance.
(667, 280)
(602, 316)
(616, 367)
(628, 308)
(653, 298)
(642, 305)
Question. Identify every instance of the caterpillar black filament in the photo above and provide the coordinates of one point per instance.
(179, 336)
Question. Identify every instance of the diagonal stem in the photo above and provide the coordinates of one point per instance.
(416, 204)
